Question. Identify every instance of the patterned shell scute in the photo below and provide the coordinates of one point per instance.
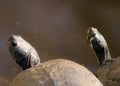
(110, 75)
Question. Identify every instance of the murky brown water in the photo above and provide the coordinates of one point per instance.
(57, 29)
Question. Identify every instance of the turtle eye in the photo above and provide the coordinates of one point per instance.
(13, 43)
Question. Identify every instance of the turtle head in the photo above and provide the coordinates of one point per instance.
(98, 45)
(22, 52)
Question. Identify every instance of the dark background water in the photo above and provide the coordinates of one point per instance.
(57, 29)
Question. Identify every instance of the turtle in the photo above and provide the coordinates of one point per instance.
(22, 52)
(55, 72)
(109, 67)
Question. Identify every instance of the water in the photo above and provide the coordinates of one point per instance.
(57, 29)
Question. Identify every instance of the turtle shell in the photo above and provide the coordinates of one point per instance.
(109, 71)
(109, 74)
(58, 72)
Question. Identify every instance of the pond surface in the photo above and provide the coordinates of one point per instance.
(57, 29)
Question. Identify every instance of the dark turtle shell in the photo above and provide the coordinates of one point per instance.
(109, 71)
(109, 74)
